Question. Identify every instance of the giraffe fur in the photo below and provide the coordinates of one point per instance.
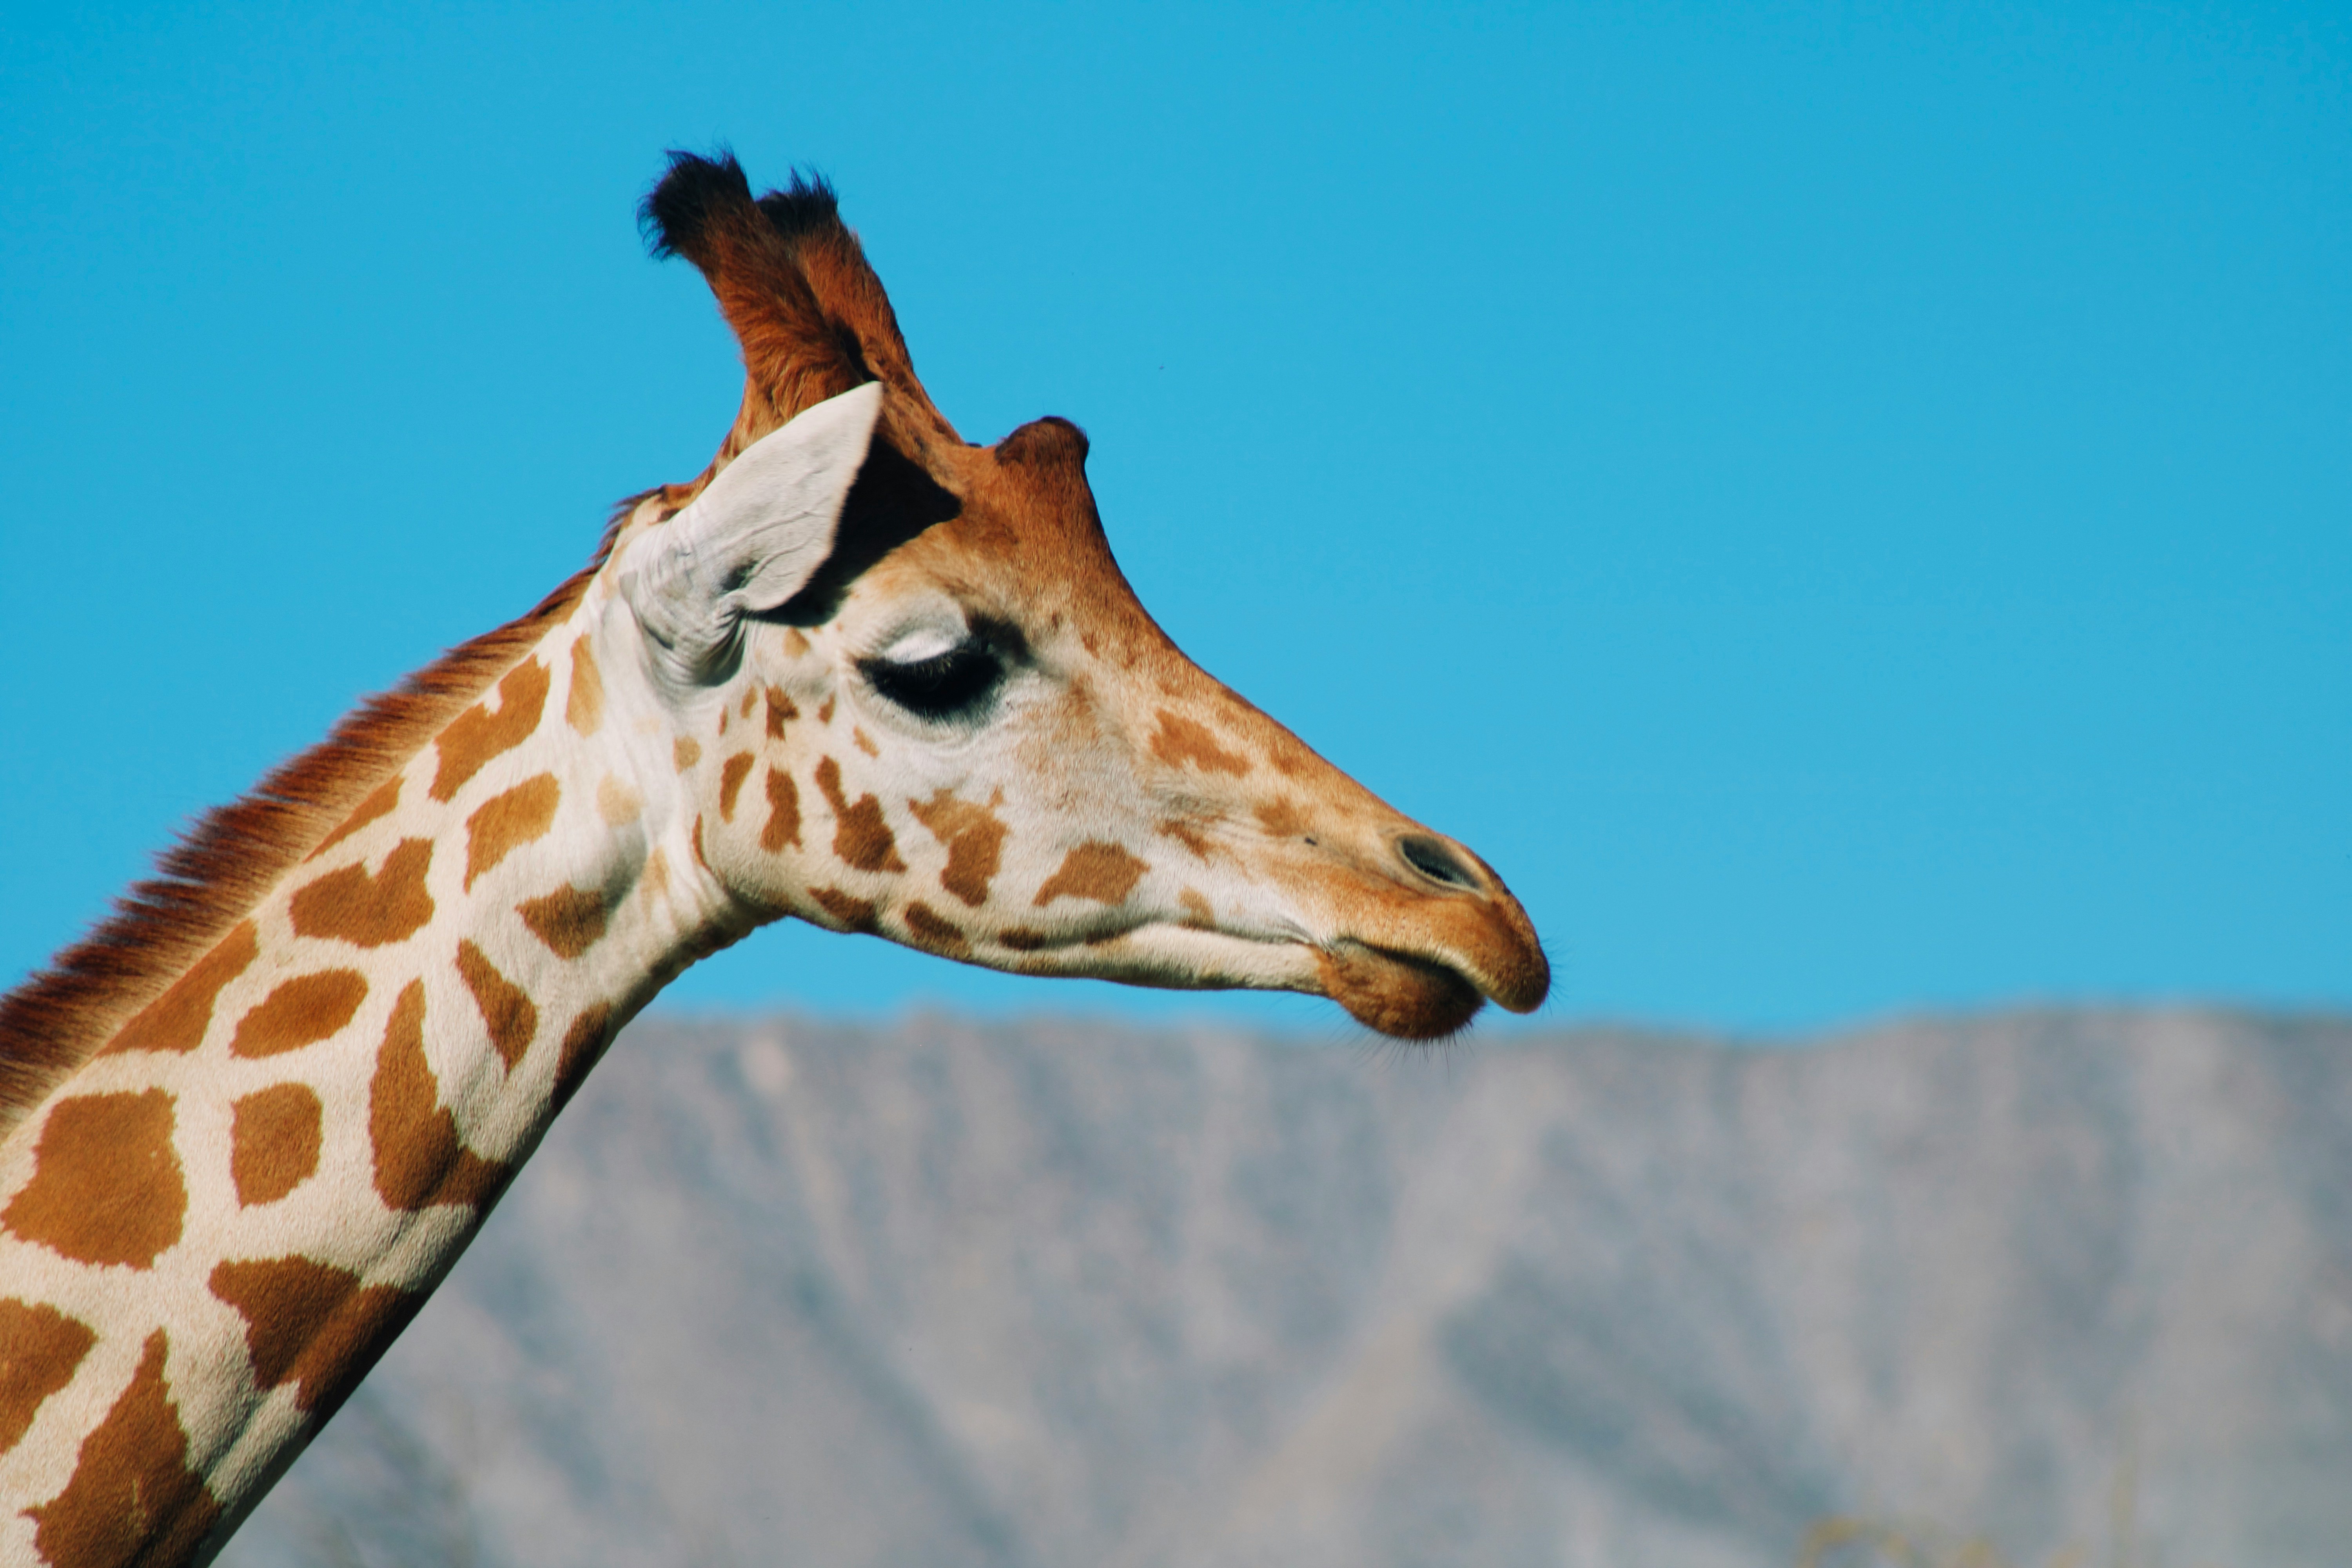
(860, 672)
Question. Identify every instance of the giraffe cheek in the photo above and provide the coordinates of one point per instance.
(730, 783)
(1097, 871)
(783, 828)
(974, 835)
(861, 834)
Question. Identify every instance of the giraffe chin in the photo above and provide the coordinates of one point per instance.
(1404, 997)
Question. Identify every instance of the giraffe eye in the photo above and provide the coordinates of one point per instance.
(956, 682)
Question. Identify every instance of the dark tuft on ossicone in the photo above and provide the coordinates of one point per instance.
(807, 203)
(676, 211)
(807, 311)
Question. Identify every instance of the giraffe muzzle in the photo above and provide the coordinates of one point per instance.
(1446, 938)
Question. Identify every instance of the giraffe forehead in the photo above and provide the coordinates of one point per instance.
(1005, 556)
(922, 591)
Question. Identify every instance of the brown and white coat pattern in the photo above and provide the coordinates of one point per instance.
(912, 697)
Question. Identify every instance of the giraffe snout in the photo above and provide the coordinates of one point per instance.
(1422, 934)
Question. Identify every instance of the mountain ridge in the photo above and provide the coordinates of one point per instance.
(1048, 1292)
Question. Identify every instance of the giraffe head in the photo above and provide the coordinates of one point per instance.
(907, 691)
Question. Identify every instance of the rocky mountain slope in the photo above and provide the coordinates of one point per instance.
(1058, 1293)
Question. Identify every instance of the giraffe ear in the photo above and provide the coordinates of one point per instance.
(752, 539)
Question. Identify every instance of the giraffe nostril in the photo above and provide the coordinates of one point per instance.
(1436, 862)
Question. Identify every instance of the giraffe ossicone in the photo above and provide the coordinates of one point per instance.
(859, 671)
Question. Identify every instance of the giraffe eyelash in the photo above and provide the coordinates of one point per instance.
(954, 683)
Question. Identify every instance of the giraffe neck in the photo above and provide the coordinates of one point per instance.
(209, 1232)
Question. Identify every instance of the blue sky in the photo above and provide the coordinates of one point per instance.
(1849, 507)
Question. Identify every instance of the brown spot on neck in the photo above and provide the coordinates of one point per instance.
(511, 1019)
(583, 705)
(274, 1138)
(1102, 873)
(862, 743)
(861, 835)
(504, 823)
(283, 1302)
(825, 712)
(685, 753)
(311, 1324)
(349, 905)
(133, 1499)
(1186, 743)
(176, 1020)
(380, 803)
(106, 1184)
(419, 1159)
(40, 1349)
(477, 735)
(570, 921)
(750, 701)
(974, 835)
(301, 1012)
(584, 1043)
(236, 855)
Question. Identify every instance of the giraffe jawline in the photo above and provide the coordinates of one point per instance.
(1404, 995)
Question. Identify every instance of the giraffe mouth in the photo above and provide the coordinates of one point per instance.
(1405, 995)
(1400, 995)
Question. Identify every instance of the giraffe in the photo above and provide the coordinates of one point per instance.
(859, 672)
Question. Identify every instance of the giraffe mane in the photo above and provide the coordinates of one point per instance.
(813, 322)
(234, 854)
